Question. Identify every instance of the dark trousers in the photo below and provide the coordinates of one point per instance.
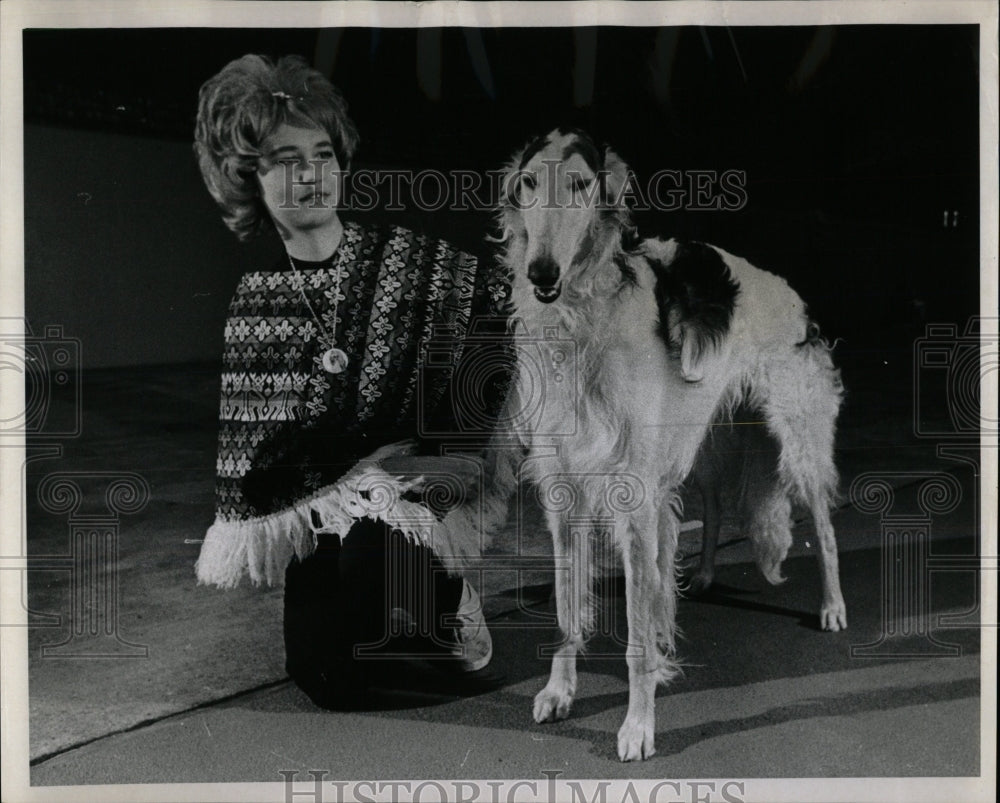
(339, 632)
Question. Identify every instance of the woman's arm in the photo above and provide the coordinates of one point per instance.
(399, 459)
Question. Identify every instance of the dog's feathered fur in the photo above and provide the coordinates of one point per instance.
(666, 337)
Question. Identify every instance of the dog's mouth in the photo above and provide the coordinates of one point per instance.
(547, 294)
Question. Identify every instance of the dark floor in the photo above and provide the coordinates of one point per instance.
(177, 646)
(764, 694)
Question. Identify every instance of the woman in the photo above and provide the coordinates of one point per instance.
(324, 388)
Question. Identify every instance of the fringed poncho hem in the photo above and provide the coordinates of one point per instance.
(263, 547)
(414, 316)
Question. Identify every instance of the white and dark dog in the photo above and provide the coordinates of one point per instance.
(666, 338)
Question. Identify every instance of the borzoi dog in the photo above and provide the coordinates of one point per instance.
(668, 336)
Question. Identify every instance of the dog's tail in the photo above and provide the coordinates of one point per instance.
(764, 502)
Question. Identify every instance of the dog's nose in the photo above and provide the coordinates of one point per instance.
(543, 272)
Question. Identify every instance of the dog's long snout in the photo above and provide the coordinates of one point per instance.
(543, 272)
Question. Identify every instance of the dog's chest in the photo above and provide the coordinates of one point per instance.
(550, 382)
(588, 377)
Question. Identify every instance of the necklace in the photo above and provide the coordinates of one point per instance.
(334, 359)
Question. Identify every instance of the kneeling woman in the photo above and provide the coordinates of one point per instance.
(323, 386)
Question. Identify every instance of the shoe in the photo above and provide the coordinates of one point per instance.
(473, 647)
(454, 682)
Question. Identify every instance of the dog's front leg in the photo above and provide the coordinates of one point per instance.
(642, 577)
(572, 587)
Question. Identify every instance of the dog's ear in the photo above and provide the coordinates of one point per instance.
(700, 349)
(615, 180)
(696, 294)
(513, 175)
(508, 215)
(508, 204)
(697, 350)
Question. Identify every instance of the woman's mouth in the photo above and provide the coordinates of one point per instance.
(314, 199)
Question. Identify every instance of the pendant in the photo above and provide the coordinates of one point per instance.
(334, 360)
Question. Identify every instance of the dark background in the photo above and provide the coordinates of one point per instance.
(856, 140)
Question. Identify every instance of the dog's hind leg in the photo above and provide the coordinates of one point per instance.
(573, 591)
(833, 613)
(651, 610)
(801, 409)
(707, 482)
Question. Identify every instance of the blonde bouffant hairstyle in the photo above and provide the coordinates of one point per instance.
(240, 107)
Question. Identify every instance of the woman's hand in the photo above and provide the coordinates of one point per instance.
(399, 460)
(399, 448)
(464, 470)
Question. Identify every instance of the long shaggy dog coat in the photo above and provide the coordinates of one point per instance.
(628, 350)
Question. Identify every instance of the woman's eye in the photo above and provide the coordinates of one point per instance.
(579, 184)
(528, 181)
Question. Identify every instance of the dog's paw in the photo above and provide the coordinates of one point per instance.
(552, 705)
(635, 739)
(833, 616)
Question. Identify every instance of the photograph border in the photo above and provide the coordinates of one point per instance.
(18, 15)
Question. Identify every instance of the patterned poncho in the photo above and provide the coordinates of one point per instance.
(423, 326)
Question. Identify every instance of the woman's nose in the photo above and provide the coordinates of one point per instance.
(305, 170)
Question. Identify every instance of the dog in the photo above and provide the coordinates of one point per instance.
(632, 348)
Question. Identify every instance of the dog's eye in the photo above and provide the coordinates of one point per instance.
(579, 183)
(528, 181)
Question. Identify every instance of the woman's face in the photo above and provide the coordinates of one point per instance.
(299, 178)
